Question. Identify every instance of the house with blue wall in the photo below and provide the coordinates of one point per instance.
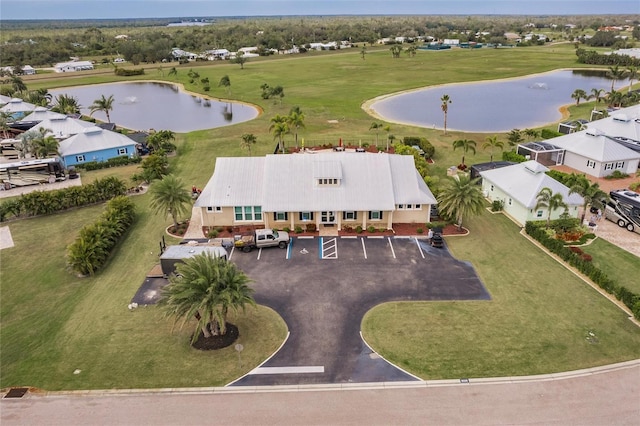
(95, 144)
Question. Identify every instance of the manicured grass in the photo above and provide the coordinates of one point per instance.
(537, 321)
(54, 323)
(619, 265)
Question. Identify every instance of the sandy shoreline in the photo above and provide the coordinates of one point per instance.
(367, 105)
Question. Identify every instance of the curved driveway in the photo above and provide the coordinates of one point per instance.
(323, 287)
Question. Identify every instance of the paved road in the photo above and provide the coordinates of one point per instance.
(611, 397)
(322, 291)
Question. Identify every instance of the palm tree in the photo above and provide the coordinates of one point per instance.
(388, 130)
(44, 146)
(248, 139)
(376, 127)
(492, 142)
(531, 133)
(66, 104)
(5, 119)
(590, 192)
(632, 74)
(445, 109)
(514, 137)
(579, 94)
(546, 198)
(17, 84)
(279, 128)
(173, 72)
(226, 83)
(295, 120)
(466, 145)
(102, 104)
(597, 94)
(615, 74)
(161, 141)
(461, 197)
(170, 197)
(205, 288)
(614, 98)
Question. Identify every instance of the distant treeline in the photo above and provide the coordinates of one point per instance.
(43, 43)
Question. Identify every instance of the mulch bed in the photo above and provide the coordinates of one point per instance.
(217, 342)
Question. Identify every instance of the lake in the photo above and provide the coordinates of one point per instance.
(160, 106)
(493, 106)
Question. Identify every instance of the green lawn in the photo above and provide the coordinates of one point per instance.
(620, 265)
(537, 321)
(54, 323)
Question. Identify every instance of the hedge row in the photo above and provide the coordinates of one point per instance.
(93, 246)
(595, 58)
(629, 298)
(126, 73)
(46, 202)
(427, 147)
(111, 162)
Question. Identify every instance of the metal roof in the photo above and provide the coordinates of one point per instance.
(63, 127)
(93, 139)
(523, 182)
(289, 182)
(541, 146)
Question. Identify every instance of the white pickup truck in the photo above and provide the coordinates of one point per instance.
(262, 238)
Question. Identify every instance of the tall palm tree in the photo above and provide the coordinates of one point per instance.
(173, 72)
(461, 197)
(376, 127)
(632, 74)
(546, 198)
(578, 94)
(279, 128)
(387, 129)
(466, 145)
(295, 120)
(445, 109)
(597, 94)
(490, 143)
(614, 98)
(17, 84)
(226, 83)
(204, 289)
(66, 104)
(103, 104)
(615, 73)
(590, 192)
(170, 197)
(531, 133)
(248, 139)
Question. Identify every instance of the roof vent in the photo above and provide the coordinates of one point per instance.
(40, 109)
(92, 130)
(595, 132)
(624, 118)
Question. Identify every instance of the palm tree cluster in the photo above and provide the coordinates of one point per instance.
(282, 125)
(40, 143)
(590, 192)
(551, 201)
(96, 241)
(460, 197)
(206, 288)
(613, 97)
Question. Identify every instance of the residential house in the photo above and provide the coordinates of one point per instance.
(63, 127)
(333, 189)
(18, 108)
(518, 186)
(73, 66)
(4, 100)
(26, 70)
(95, 144)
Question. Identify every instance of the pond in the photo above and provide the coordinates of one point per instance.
(492, 106)
(160, 106)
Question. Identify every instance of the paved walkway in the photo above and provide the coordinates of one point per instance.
(600, 396)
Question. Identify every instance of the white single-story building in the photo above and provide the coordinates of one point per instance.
(39, 114)
(26, 70)
(73, 66)
(18, 108)
(333, 189)
(518, 186)
(62, 127)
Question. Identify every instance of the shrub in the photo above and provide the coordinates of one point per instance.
(549, 134)
(230, 229)
(617, 174)
(586, 257)
(298, 230)
(122, 72)
(286, 229)
(423, 143)
(577, 250)
(371, 228)
(419, 230)
(497, 205)
(311, 227)
(358, 229)
(212, 234)
(514, 157)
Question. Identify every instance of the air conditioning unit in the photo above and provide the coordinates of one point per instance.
(595, 132)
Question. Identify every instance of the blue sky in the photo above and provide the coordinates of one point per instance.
(82, 9)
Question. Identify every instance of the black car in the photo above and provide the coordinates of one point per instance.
(437, 241)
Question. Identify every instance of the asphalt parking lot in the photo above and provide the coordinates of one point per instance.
(322, 287)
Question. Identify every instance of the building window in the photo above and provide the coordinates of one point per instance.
(539, 214)
(306, 216)
(620, 165)
(591, 163)
(492, 187)
(509, 201)
(215, 209)
(325, 182)
(280, 216)
(608, 166)
(246, 213)
(375, 215)
(349, 215)
(400, 206)
(209, 209)
(80, 159)
(122, 151)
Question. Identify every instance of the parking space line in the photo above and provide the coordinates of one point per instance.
(288, 370)
(233, 249)
(330, 248)
(320, 247)
(393, 252)
(289, 248)
(364, 249)
(259, 253)
(419, 248)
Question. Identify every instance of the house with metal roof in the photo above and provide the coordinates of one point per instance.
(38, 115)
(17, 108)
(333, 189)
(62, 127)
(73, 66)
(518, 186)
(95, 144)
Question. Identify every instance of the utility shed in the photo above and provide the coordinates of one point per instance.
(176, 254)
